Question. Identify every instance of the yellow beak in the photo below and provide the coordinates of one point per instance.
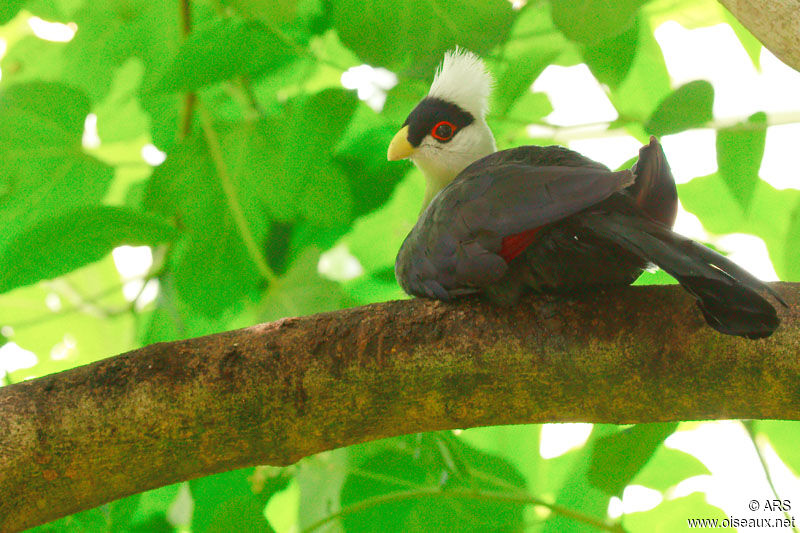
(400, 148)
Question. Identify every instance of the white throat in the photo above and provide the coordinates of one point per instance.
(442, 163)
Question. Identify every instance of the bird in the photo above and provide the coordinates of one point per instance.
(546, 218)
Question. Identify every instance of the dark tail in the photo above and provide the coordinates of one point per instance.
(726, 293)
(654, 189)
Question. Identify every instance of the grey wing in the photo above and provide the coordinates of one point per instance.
(523, 197)
(454, 249)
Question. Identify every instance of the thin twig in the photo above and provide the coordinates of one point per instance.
(509, 493)
(463, 493)
(90, 304)
(596, 130)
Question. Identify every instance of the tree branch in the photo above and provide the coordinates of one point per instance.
(274, 393)
(776, 24)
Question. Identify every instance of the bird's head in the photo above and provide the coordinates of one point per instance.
(447, 130)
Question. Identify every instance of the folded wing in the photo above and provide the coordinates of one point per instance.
(457, 245)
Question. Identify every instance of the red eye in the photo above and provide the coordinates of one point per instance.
(443, 131)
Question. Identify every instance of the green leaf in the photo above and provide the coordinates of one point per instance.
(373, 288)
(32, 59)
(113, 32)
(43, 170)
(301, 291)
(174, 317)
(659, 277)
(282, 509)
(428, 464)
(690, 14)
(740, 149)
(120, 116)
(611, 59)
(154, 506)
(306, 182)
(221, 50)
(519, 445)
(529, 108)
(591, 21)
(115, 516)
(790, 266)
(578, 492)
(269, 11)
(402, 98)
(211, 265)
(689, 106)
(361, 153)
(155, 523)
(647, 81)
(9, 9)
(532, 45)
(55, 10)
(316, 125)
(413, 35)
(672, 515)
(254, 158)
(617, 458)
(375, 239)
(667, 468)
(769, 216)
(61, 244)
(511, 130)
(749, 42)
(52, 114)
(298, 19)
(212, 268)
(75, 334)
(783, 436)
(233, 501)
(110, 35)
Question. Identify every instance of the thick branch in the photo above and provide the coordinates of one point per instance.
(776, 24)
(274, 393)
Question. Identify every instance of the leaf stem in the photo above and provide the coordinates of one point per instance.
(250, 96)
(235, 208)
(187, 112)
(186, 17)
(190, 97)
(749, 426)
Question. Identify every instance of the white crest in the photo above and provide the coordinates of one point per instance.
(462, 79)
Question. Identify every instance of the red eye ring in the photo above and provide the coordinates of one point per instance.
(443, 131)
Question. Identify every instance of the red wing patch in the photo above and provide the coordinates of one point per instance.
(513, 245)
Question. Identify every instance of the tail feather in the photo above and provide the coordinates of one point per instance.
(654, 189)
(727, 295)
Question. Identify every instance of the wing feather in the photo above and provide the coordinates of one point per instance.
(457, 244)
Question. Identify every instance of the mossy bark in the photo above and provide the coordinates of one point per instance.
(274, 393)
